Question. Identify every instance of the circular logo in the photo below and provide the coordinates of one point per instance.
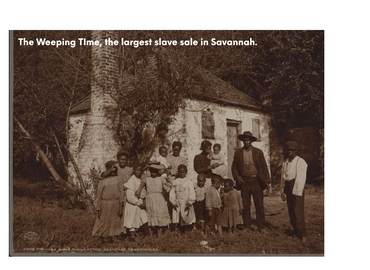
(31, 237)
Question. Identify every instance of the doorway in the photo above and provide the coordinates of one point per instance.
(233, 130)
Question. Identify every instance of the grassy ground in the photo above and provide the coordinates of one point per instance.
(44, 222)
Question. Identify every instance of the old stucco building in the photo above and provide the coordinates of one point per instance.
(229, 113)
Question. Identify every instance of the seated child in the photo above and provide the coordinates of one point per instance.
(214, 204)
(233, 206)
(217, 157)
(200, 202)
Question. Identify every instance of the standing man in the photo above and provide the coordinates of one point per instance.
(249, 169)
(293, 180)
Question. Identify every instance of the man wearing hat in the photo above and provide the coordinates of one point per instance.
(293, 180)
(250, 171)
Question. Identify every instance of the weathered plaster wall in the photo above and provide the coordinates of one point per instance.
(187, 128)
(92, 140)
(93, 143)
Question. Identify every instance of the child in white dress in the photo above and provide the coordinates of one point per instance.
(135, 214)
(156, 206)
(182, 197)
(217, 157)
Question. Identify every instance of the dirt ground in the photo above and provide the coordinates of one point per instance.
(56, 228)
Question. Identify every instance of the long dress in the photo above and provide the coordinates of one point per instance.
(156, 206)
(124, 175)
(181, 193)
(109, 196)
(135, 217)
(232, 203)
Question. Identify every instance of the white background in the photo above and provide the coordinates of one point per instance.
(219, 262)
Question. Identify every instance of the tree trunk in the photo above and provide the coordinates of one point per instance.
(70, 186)
(61, 154)
(79, 176)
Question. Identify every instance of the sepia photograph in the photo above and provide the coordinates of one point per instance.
(166, 142)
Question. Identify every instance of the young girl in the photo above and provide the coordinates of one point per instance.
(109, 206)
(217, 158)
(135, 214)
(156, 206)
(200, 202)
(233, 206)
(182, 197)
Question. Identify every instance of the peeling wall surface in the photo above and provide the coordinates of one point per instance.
(92, 144)
(187, 129)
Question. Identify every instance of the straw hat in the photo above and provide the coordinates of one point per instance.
(187, 213)
(157, 166)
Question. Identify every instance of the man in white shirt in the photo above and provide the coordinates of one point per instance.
(293, 180)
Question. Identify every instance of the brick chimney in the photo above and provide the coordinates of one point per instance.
(104, 83)
(97, 144)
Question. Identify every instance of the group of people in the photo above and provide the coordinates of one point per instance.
(160, 196)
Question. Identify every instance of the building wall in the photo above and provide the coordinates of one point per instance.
(90, 146)
(92, 135)
(187, 129)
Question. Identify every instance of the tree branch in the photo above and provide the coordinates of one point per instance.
(71, 187)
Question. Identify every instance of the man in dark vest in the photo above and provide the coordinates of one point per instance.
(250, 171)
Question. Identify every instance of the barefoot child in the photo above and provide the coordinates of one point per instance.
(109, 206)
(200, 202)
(213, 204)
(233, 206)
(156, 206)
(182, 197)
(135, 214)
